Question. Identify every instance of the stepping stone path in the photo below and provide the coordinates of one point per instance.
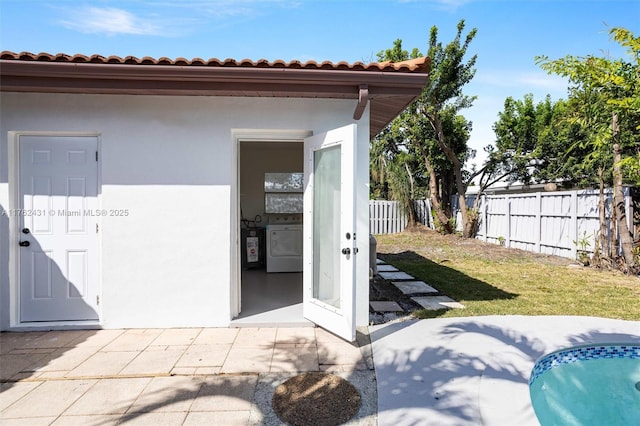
(385, 306)
(413, 287)
(398, 275)
(387, 268)
(434, 303)
(419, 291)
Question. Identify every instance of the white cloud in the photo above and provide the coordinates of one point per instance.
(521, 79)
(110, 21)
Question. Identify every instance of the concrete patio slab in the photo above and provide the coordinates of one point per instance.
(474, 371)
(412, 287)
(88, 378)
(385, 306)
(437, 302)
(380, 262)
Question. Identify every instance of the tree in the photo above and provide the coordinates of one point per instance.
(613, 120)
(431, 127)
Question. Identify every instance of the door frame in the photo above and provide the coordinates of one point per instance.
(13, 156)
(238, 136)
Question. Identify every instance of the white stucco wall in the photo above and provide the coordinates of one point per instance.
(170, 161)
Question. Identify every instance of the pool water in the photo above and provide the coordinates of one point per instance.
(589, 385)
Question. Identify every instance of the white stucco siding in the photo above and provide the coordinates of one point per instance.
(169, 162)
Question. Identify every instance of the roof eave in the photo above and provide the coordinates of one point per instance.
(401, 88)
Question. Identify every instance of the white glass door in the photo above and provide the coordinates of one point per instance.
(329, 224)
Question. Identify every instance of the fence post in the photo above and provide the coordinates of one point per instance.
(538, 230)
(573, 226)
(485, 225)
(508, 241)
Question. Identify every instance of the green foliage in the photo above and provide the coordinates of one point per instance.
(430, 136)
(599, 88)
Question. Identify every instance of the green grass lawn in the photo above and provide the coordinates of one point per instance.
(492, 280)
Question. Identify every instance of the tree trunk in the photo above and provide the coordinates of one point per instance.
(626, 240)
(468, 225)
(436, 203)
(411, 207)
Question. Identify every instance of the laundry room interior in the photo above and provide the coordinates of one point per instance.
(271, 205)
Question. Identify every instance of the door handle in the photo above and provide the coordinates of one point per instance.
(24, 243)
(346, 250)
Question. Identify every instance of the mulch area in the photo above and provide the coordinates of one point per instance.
(316, 399)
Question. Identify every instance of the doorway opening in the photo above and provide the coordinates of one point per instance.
(270, 182)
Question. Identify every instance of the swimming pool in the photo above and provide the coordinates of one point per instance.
(588, 385)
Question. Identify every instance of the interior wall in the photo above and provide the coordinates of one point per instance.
(258, 158)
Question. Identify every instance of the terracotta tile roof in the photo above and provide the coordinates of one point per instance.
(414, 65)
(387, 88)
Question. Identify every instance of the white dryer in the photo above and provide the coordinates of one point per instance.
(284, 248)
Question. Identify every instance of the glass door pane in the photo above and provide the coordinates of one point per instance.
(326, 225)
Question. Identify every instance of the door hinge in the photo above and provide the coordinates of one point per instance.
(96, 155)
(97, 300)
(97, 228)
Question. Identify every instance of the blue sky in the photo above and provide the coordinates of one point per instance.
(510, 34)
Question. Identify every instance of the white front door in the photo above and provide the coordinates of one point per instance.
(57, 214)
(329, 225)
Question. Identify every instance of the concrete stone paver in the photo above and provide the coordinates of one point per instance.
(177, 337)
(204, 356)
(387, 268)
(11, 392)
(437, 302)
(133, 340)
(153, 362)
(103, 364)
(65, 359)
(385, 306)
(248, 360)
(89, 420)
(168, 394)
(153, 419)
(51, 398)
(122, 393)
(216, 336)
(229, 418)
(412, 287)
(226, 393)
(399, 275)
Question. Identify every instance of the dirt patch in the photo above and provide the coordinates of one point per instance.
(318, 399)
(444, 248)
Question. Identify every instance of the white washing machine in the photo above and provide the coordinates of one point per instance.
(284, 248)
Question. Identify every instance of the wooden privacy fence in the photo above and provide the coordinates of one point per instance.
(387, 217)
(546, 222)
(541, 222)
